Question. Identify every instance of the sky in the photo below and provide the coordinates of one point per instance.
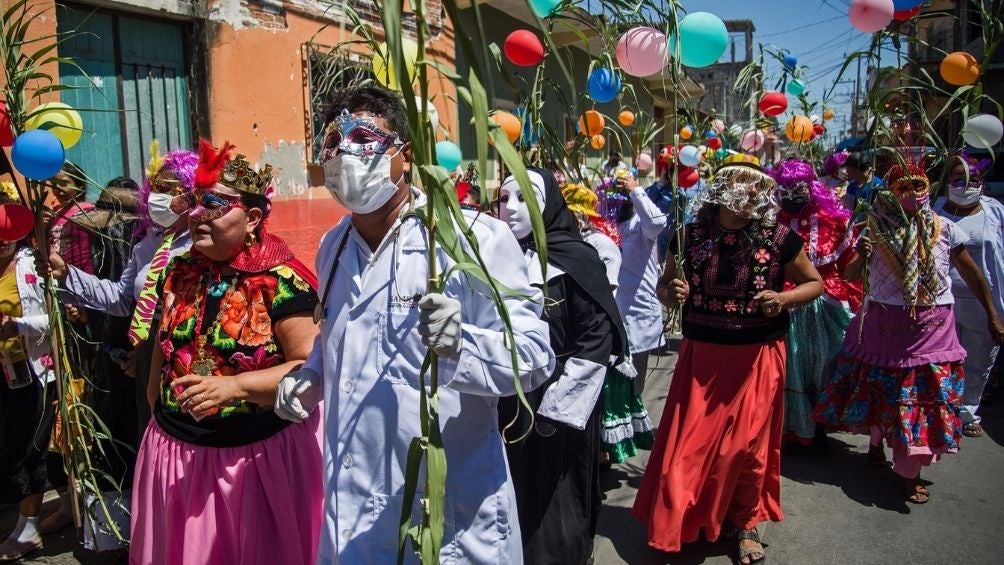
(818, 32)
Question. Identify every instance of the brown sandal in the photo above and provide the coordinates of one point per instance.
(972, 430)
(916, 492)
(748, 553)
(876, 456)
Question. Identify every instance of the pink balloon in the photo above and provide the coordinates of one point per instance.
(869, 16)
(752, 140)
(718, 126)
(641, 51)
(644, 162)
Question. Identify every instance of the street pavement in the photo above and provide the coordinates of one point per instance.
(838, 510)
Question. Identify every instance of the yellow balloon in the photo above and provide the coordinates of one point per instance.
(58, 119)
(384, 69)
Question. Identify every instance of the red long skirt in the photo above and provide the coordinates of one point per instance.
(717, 454)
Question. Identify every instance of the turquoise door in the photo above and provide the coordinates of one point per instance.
(130, 88)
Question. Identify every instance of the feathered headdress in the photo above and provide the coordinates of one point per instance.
(211, 163)
(156, 160)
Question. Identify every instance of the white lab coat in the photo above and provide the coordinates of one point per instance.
(33, 323)
(639, 274)
(609, 254)
(369, 353)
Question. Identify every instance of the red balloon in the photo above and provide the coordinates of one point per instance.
(688, 177)
(714, 143)
(773, 103)
(903, 15)
(6, 132)
(523, 48)
(16, 221)
(818, 129)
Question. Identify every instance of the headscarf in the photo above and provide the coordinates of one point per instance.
(569, 252)
(908, 241)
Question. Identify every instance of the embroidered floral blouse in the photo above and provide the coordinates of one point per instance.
(238, 312)
(725, 270)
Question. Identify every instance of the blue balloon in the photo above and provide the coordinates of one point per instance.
(901, 5)
(703, 39)
(529, 135)
(604, 85)
(711, 133)
(790, 61)
(38, 154)
(448, 155)
(543, 8)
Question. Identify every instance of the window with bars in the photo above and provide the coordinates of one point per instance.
(329, 70)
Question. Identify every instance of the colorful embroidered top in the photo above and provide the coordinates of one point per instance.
(725, 270)
(238, 315)
(829, 244)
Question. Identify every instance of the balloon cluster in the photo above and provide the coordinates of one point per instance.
(51, 129)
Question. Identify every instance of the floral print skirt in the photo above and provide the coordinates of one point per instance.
(915, 408)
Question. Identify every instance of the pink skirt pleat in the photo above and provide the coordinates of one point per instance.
(254, 504)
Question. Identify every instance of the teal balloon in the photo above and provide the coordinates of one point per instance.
(543, 8)
(448, 155)
(604, 85)
(722, 153)
(703, 39)
(38, 154)
(795, 87)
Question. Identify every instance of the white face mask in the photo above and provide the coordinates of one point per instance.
(159, 207)
(964, 194)
(362, 186)
(514, 211)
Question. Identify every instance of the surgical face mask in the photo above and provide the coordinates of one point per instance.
(361, 184)
(514, 211)
(159, 207)
(964, 194)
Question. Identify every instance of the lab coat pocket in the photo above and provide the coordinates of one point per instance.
(386, 516)
(401, 349)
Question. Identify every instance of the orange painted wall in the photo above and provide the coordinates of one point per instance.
(257, 101)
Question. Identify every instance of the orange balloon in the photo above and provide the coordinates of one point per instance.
(686, 133)
(828, 114)
(960, 68)
(591, 123)
(597, 141)
(626, 118)
(799, 129)
(510, 124)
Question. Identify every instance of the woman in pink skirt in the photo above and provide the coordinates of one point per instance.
(899, 377)
(219, 477)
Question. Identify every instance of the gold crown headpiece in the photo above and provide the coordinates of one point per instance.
(239, 175)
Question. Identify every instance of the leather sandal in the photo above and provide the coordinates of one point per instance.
(748, 553)
(12, 550)
(972, 430)
(916, 492)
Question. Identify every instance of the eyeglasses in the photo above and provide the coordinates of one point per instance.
(169, 186)
(205, 205)
(357, 135)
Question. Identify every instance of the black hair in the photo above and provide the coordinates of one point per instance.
(122, 182)
(76, 174)
(855, 161)
(256, 201)
(385, 103)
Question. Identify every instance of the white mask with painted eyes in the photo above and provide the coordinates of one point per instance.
(513, 209)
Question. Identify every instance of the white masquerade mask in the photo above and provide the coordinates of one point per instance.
(513, 209)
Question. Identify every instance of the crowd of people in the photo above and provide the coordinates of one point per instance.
(259, 410)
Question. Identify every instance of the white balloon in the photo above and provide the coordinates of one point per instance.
(816, 119)
(983, 131)
(690, 156)
(871, 121)
(433, 112)
(736, 130)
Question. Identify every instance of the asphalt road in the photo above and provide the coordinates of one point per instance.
(838, 510)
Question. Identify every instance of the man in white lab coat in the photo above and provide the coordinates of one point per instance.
(377, 322)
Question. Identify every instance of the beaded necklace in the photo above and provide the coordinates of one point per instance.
(205, 363)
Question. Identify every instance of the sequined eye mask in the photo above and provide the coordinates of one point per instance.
(358, 135)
